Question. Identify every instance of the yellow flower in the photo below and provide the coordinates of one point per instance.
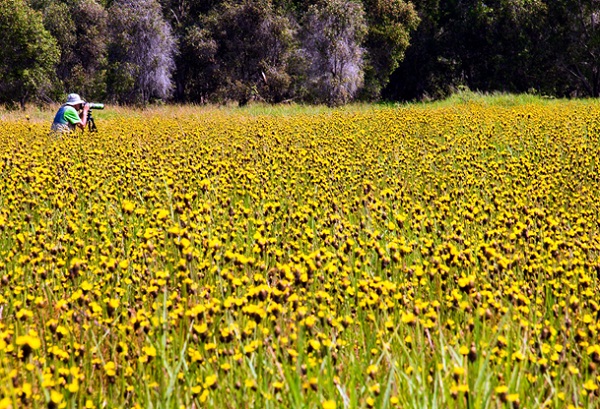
(372, 370)
(314, 345)
(250, 383)
(513, 397)
(590, 385)
(375, 388)
(150, 351)
(73, 387)
(328, 404)
(56, 397)
(29, 343)
(210, 381)
(161, 214)
(464, 388)
(502, 389)
(128, 206)
(110, 369)
(204, 396)
(408, 318)
(458, 370)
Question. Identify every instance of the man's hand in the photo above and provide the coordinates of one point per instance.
(84, 116)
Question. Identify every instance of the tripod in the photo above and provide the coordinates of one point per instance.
(90, 122)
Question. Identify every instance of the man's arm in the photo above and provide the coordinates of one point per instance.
(73, 117)
(84, 116)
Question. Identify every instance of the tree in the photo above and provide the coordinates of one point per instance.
(140, 52)
(58, 21)
(484, 45)
(254, 48)
(197, 74)
(80, 28)
(389, 25)
(28, 53)
(195, 67)
(428, 66)
(88, 71)
(575, 38)
(332, 34)
(239, 50)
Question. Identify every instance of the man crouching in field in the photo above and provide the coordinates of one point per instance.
(67, 118)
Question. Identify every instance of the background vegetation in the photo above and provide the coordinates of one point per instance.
(322, 51)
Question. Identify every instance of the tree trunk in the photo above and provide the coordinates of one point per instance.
(23, 100)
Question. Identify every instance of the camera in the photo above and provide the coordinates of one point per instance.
(90, 118)
(95, 105)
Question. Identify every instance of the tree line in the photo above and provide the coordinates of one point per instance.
(316, 51)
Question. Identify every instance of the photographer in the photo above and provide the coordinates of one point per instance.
(68, 117)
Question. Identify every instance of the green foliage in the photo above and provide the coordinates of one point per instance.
(80, 28)
(332, 38)
(282, 50)
(390, 23)
(90, 53)
(487, 46)
(28, 53)
(549, 47)
(574, 34)
(141, 52)
(246, 49)
(195, 72)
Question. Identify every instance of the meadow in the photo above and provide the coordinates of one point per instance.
(418, 256)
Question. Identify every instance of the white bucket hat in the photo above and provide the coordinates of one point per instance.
(74, 99)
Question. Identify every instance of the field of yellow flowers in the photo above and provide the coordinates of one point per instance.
(413, 257)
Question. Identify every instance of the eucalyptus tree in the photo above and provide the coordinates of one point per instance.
(194, 64)
(390, 23)
(575, 39)
(28, 54)
(80, 28)
(140, 53)
(255, 51)
(332, 36)
(492, 45)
